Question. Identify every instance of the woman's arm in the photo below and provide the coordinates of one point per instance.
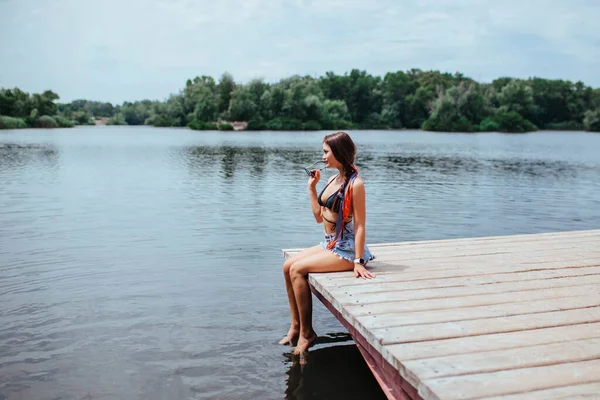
(312, 195)
(359, 203)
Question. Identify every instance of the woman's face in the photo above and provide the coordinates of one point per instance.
(330, 161)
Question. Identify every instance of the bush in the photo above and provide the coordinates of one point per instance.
(336, 124)
(83, 118)
(564, 126)
(46, 121)
(511, 121)
(456, 123)
(225, 127)
(64, 122)
(341, 124)
(118, 119)
(162, 121)
(312, 126)
(275, 125)
(591, 120)
(12, 123)
(374, 121)
(488, 125)
(202, 126)
(195, 125)
(291, 124)
(256, 125)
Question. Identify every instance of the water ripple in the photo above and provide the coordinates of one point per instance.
(145, 263)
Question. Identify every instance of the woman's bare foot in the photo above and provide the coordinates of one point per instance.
(291, 336)
(304, 343)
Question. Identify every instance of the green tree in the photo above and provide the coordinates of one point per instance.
(242, 106)
(459, 108)
(202, 90)
(225, 88)
(517, 96)
(395, 89)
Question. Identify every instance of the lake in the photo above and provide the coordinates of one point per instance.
(145, 263)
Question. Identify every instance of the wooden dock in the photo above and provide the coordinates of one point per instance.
(507, 317)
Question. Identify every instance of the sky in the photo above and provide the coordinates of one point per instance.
(127, 50)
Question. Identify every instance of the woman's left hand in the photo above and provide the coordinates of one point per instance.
(361, 271)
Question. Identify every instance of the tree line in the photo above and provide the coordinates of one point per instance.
(414, 99)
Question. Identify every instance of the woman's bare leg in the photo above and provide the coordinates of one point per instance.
(294, 331)
(323, 261)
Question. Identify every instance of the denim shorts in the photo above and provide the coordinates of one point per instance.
(344, 248)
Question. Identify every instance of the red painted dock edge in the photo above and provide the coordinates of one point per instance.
(392, 384)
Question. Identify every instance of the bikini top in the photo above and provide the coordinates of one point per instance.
(333, 202)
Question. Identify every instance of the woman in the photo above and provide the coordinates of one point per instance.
(341, 208)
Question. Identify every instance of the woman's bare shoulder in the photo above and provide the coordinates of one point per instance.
(358, 182)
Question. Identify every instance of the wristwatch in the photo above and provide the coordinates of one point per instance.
(360, 261)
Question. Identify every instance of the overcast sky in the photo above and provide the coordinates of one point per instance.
(117, 50)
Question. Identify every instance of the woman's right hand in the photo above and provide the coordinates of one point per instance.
(315, 176)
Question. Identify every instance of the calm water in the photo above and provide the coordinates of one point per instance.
(140, 263)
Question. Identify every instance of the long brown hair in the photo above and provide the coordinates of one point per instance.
(344, 150)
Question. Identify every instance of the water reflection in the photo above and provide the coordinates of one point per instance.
(535, 168)
(18, 156)
(259, 159)
(336, 372)
(234, 159)
(417, 163)
(462, 165)
(201, 158)
(229, 161)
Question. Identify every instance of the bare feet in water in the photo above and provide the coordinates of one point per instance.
(291, 337)
(305, 342)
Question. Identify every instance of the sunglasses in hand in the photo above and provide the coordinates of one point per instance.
(311, 167)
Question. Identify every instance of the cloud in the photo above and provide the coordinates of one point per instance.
(134, 49)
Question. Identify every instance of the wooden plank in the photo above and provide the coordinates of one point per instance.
(344, 297)
(493, 240)
(521, 380)
(390, 273)
(525, 237)
(586, 391)
(495, 341)
(378, 285)
(390, 320)
(468, 301)
(497, 248)
(501, 360)
(471, 266)
(488, 249)
(541, 255)
(447, 330)
(380, 266)
(426, 266)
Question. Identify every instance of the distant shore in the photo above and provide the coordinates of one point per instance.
(413, 99)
